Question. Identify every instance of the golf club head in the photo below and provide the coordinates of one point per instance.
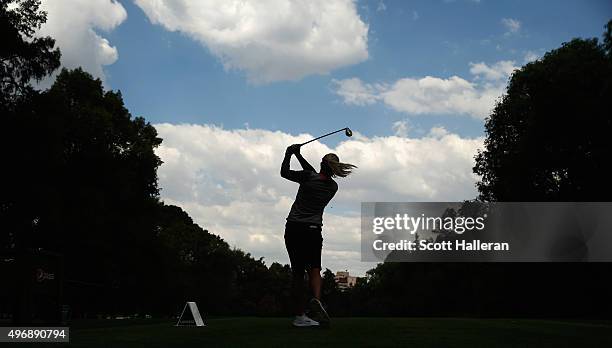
(348, 132)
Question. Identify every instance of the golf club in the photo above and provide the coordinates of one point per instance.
(346, 130)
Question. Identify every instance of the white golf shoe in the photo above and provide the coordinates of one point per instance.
(304, 321)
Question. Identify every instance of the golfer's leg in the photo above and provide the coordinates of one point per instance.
(315, 246)
(297, 290)
(314, 275)
(296, 258)
(317, 312)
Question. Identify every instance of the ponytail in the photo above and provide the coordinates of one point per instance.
(335, 167)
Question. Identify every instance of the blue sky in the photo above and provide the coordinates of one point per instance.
(229, 84)
(169, 77)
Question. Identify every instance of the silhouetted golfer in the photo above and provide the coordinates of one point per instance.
(303, 237)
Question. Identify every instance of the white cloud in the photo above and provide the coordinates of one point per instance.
(512, 25)
(229, 182)
(269, 40)
(498, 71)
(530, 56)
(76, 26)
(438, 132)
(381, 6)
(433, 95)
(401, 128)
(356, 92)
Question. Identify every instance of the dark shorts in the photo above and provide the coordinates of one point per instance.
(304, 242)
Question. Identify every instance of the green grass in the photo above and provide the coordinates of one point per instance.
(355, 332)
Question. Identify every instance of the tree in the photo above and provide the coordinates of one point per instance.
(83, 183)
(608, 39)
(329, 287)
(548, 138)
(80, 179)
(23, 57)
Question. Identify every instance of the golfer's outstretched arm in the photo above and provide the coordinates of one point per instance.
(287, 173)
(303, 162)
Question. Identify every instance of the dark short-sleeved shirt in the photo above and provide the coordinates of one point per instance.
(313, 195)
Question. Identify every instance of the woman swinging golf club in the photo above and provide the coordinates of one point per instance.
(303, 237)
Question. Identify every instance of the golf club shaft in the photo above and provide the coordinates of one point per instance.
(322, 136)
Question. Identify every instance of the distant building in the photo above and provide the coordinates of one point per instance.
(345, 280)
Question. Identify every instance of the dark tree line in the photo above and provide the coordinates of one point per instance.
(79, 180)
(548, 140)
